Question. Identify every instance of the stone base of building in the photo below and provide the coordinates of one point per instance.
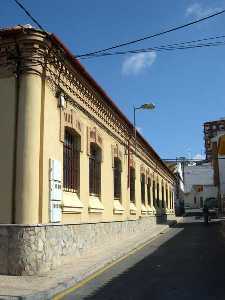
(35, 249)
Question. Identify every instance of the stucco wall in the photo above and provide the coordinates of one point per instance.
(53, 148)
(39, 139)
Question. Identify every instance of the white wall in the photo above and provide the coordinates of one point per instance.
(197, 175)
(208, 191)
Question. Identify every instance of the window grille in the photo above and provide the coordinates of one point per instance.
(95, 170)
(166, 197)
(71, 161)
(172, 200)
(117, 178)
(163, 200)
(149, 191)
(157, 195)
(153, 193)
(132, 184)
(143, 189)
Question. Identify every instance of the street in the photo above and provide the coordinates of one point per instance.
(186, 262)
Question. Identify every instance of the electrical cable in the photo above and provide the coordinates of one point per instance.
(29, 15)
(167, 45)
(99, 53)
(156, 49)
(153, 35)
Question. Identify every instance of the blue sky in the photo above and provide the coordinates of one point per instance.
(188, 87)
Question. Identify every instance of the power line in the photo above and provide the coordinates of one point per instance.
(153, 35)
(29, 14)
(167, 45)
(172, 47)
(157, 49)
(189, 159)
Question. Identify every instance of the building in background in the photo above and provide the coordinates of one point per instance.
(218, 161)
(211, 129)
(199, 184)
(214, 132)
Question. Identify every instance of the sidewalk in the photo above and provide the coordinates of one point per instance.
(48, 285)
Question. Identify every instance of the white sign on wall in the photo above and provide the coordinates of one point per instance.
(55, 190)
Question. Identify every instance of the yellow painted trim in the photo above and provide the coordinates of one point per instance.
(60, 295)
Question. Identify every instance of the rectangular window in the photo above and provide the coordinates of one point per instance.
(166, 197)
(149, 191)
(201, 202)
(95, 170)
(163, 200)
(172, 202)
(132, 185)
(143, 189)
(71, 161)
(153, 194)
(157, 194)
(117, 178)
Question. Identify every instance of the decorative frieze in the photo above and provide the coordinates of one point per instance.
(39, 55)
(132, 162)
(116, 153)
(69, 119)
(142, 169)
(94, 136)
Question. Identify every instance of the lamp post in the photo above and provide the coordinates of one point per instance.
(147, 106)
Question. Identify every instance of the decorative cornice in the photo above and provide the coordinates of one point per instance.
(37, 51)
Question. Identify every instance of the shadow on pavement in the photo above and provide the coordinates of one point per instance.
(187, 262)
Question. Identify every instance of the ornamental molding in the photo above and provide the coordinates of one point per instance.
(116, 153)
(132, 162)
(142, 169)
(69, 119)
(94, 136)
(37, 55)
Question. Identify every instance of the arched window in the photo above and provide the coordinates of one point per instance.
(172, 200)
(153, 193)
(166, 197)
(157, 194)
(95, 169)
(163, 199)
(117, 178)
(149, 191)
(71, 161)
(132, 184)
(143, 189)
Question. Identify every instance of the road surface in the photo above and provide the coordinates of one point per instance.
(186, 262)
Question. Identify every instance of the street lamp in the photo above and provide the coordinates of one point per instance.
(147, 106)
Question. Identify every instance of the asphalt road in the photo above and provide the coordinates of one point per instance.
(186, 262)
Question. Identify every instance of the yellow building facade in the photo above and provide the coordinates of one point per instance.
(68, 154)
(46, 94)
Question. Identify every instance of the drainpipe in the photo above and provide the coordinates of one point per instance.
(17, 95)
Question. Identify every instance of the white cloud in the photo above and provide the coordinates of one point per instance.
(199, 156)
(138, 62)
(198, 11)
